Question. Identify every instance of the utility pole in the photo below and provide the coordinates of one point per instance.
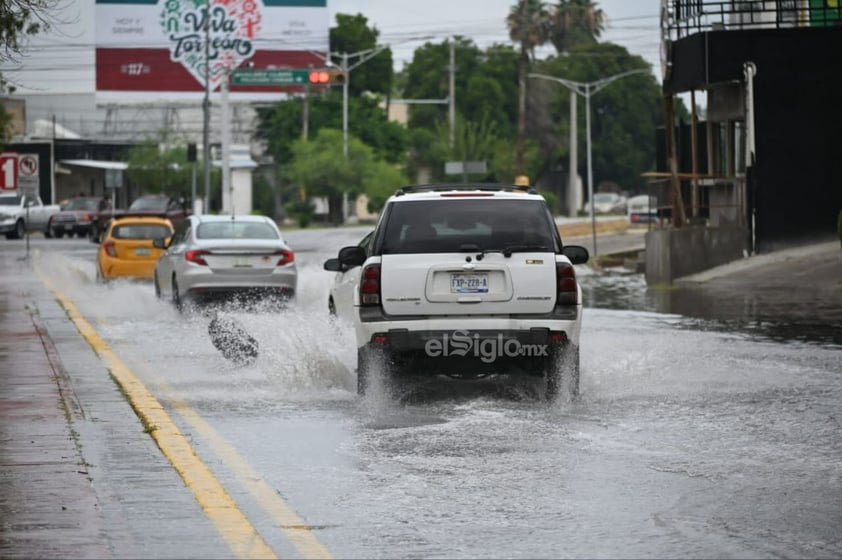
(451, 96)
(206, 114)
(227, 189)
(573, 199)
(587, 89)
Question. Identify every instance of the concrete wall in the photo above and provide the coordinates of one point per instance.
(673, 253)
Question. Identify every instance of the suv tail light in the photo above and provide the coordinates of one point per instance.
(370, 285)
(285, 257)
(568, 290)
(197, 257)
(110, 249)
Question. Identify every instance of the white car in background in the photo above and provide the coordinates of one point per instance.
(642, 209)
(607, 203)
(464, 280)
(239, 259)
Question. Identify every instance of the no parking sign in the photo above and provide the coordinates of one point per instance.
(28, 176)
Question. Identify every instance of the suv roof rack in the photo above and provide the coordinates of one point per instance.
(465, 187)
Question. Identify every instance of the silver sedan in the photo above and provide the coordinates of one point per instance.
(229, 259)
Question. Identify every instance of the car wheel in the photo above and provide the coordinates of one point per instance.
(176, 297)
(157, 286)
(561, 373)
(48, 232)
(20, 229)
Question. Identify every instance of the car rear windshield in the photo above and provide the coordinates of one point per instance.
(454, 225)
(236, 230)
(140, 231)
(151, 203)
(81, 204)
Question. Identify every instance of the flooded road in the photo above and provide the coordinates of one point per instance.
(693, 437)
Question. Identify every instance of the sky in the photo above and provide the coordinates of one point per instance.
(66, 66)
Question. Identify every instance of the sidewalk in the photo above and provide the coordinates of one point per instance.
(48, 506)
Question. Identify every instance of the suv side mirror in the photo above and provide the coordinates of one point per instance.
(576, 253)
(332, 265)
(352, 256)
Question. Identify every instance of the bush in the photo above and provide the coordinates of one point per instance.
(301, 211)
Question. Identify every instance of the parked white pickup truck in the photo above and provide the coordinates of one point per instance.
(21, 213)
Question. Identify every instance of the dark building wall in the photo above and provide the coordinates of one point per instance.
(798, 121)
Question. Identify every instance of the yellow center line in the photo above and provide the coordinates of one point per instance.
(296, 531)
(240, 535)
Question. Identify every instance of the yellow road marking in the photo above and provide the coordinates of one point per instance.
(298, 533)
(240, 535)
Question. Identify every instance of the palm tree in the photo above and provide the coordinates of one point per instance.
(529, 25)
(576, 22)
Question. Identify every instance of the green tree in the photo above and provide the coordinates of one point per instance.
(21, 18)
(18, 20)
(282, 125)
(319, 169)
(529, 25)
(427, 77)
(576, 22)
(383, 180)
(353, 36)
(154, 168)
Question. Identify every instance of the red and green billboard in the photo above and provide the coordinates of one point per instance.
(148, 49)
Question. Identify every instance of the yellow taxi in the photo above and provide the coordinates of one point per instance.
(126, 249)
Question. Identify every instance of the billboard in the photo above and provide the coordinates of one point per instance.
(167, 49)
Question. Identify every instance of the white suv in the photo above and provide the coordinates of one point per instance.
(465, 280)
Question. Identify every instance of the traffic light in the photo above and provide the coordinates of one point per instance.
(327, 77)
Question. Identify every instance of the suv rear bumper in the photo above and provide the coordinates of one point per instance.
(408, 334)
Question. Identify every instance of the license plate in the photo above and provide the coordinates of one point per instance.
(243, 262)
(142, 251)
(475, 283)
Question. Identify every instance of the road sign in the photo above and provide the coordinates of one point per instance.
(8, 171)
(464, 167)
(269, 77)
(28, 176)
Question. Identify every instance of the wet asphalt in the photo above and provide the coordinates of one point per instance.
(117, 496)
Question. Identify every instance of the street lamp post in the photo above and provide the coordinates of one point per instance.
(586, 90)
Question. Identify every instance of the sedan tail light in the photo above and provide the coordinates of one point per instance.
(286, 257)
(568, 290)
(110, 249)
(197, 256)
(370, 285)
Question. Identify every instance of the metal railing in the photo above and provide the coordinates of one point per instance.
(680, 18)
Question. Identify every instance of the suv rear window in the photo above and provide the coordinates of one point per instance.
(452, 225)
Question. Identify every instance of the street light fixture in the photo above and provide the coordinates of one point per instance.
(586, 90)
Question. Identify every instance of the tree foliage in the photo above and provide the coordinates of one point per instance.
(575, 22)
(21, 18)
(353, 36)
(319, 168)
(154, 168)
